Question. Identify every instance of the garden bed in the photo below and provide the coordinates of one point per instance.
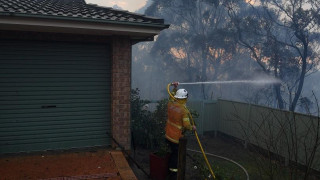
(222, 146)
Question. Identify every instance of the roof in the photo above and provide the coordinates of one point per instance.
(73, 9)
(76, 17)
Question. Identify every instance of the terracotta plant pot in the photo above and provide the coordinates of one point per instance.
(158, 166)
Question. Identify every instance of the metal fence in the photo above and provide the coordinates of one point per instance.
(294, 136)
(208, 115)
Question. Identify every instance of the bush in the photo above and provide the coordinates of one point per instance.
(147, 127)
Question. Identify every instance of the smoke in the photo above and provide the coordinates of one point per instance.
(240, 83)
(224, 70)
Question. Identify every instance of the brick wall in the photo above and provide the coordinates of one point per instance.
(121, 89)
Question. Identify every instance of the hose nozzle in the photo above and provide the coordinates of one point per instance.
(175, 84)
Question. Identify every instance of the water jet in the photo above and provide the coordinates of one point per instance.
(257, 82)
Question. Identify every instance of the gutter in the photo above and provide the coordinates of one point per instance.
(144, 24)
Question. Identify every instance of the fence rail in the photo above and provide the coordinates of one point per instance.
(294, 136)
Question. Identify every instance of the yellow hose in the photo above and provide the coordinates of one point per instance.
(195, 132)
(204, 154)
(168, 89)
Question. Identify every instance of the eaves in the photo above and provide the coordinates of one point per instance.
(137, 31)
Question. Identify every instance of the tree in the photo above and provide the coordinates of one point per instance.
(210, 40)
(281, 37)
(197, 41)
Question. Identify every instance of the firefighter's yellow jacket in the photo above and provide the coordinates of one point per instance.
(178, 121)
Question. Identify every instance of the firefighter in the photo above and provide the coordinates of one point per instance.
(177, 123)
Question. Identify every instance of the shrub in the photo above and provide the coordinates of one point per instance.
(147, 127)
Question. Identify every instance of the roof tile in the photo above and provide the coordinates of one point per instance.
(78, 9)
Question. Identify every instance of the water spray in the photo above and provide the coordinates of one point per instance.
(256, 82)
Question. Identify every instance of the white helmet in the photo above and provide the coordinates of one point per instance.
(181, 94)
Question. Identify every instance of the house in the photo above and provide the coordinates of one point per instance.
(65, 73)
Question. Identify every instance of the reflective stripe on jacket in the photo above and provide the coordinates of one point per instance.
(178, 121)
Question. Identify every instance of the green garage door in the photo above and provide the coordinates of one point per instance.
(53, 95)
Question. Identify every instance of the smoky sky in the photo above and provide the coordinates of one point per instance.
(176, 55)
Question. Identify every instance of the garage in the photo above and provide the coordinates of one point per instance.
(65, 74)
(54, 95)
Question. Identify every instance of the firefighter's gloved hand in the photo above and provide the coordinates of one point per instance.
(175, 84)
(194, 128)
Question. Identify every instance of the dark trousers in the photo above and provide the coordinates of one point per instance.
(173, 159)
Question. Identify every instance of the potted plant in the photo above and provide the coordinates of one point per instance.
(159, 163)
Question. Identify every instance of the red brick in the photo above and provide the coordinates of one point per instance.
(121, 82)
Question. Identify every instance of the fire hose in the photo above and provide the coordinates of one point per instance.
(196, 134)
(224, 158)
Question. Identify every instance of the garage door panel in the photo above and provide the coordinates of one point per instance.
(37, 106)
(61, 75)
(53, 137)
(53, 121)
(100, 79)
(51, 70)
(54, 95)
(56, 128)
(52, 48)
(40, 93)
(60, 88)
(23, 60)
(51, 109)
(42, 113)
(66, 67)
(51, 101)
(21, 85)
(47, 145)
(46, 51)
(56, 83)
(72, 117)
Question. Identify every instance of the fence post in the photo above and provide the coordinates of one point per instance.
(202, 116)
(218, 120)
(286, 154)
(248, 125)
(182, 158)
